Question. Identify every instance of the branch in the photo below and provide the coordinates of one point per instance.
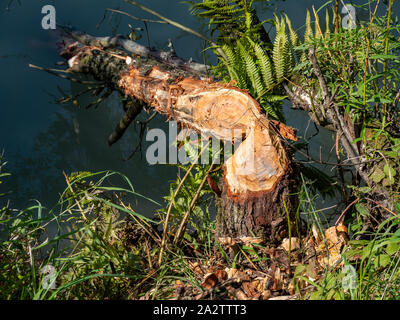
(333, 115)
(318, 73)
(135, 48)
(133, 111)
(135, 18)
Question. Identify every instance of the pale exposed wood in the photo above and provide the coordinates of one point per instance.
(221, 111)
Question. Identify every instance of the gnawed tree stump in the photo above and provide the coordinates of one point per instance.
(258, 179)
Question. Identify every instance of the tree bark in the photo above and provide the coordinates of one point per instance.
(258, 179)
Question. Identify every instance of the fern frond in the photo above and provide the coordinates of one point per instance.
(231, 65)
(251, 69)
(308, 32)
(270, 111)
(281, 54)
(294, 38)
(277, 23)
(294, 42)
(327, 25)
(218, 12)
(275, 98)
(265, 65)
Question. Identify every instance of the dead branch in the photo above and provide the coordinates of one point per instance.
(135, 48)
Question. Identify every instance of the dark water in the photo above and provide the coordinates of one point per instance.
(41, 138)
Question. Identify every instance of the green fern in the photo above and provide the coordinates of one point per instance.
(231, 19)
(230, 65)
(308, 35)
(327, 25)
(294, 42)
(270, 110)
(294, 38)
(255, 66)
(281, 54)
(265, 65)
(251, 69)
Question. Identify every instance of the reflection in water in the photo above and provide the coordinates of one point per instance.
(77, 141)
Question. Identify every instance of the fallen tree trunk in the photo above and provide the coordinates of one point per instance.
(258, 179)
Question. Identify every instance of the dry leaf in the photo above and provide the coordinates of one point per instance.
(227, 241)
(240, 295)
(292, 287)
(247, 241)
(259, 284)
(341, 227)
(294, 244)
(196, 268)
(329, 253)
(231, 272)
(221, 275)
(285, 131)
(210, 281)
(250, 291)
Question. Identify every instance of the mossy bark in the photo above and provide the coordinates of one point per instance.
(262, 214)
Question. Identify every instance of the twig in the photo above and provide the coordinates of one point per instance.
(135, 48)
(345, 210)
(101, 99)
(318, 73)
(383, 207)
(348, 12)
(135, 18)
(336, 118)
(65, 99)
(143, 125)
(132, 112)
(56, 73)
(340, 169)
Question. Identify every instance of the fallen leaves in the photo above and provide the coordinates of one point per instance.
(273, 279)
(212, 279)
(329, 250)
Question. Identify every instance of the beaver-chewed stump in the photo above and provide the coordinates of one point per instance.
(257, 184)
